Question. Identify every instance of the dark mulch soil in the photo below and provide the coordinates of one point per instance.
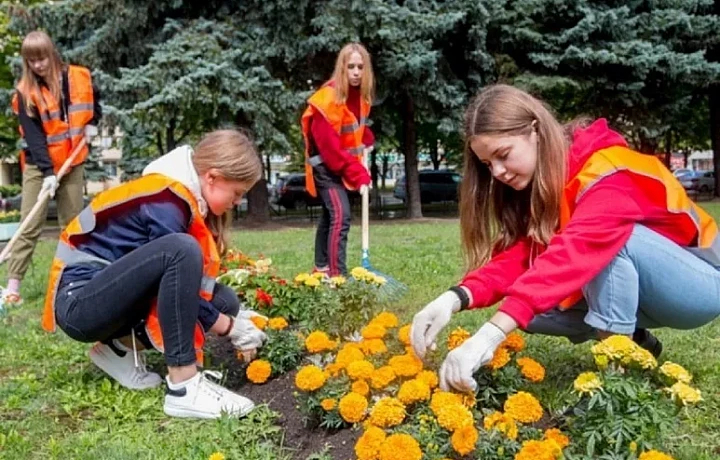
(278, 395)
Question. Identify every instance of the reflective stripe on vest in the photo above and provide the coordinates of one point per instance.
(606, 162)
(343, 122)
(61, 135)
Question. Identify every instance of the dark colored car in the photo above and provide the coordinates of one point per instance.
(14, 202)
(434, 186)
(290, 193)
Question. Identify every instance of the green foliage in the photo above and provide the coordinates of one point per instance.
(283, 350)
(8, 191)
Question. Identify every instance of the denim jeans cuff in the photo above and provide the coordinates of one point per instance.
(602, 323)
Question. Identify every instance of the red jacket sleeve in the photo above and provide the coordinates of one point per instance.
(598, 229)
(368, 137)
(488, 284)
(327, 142)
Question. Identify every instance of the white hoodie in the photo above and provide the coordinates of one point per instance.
(177, 165)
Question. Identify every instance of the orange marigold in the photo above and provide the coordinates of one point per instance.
(501, 422)
(353, 407)
(382, 377)
(348, 355)
(500, 359)
(319, 341)
(404, 334)
(463, 439)
(413, 391)
(368, 446)
(556, 435)
(453, 417)
(328, 404)
(385, 319)
(400, 446)
(441, 399)
(457, 337)
(387, 413)
(523, 407)
(406, 365)
(258, 371)
(310, 378)
(514, 342)
(278, 323)
(429, 377)
(373, 331)
(360, 370)
(654, 455)
(259, 322)
(373, 346)
(360, 387)
(539, 450)
(531, 369)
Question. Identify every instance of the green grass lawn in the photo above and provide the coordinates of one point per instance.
(55, 404)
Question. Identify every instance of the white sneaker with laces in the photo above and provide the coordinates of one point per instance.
(199, 397)
(123, 368)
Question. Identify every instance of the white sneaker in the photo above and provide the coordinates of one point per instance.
(123, 368)
(201, 398)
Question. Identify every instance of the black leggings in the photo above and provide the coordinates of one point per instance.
(118, 297)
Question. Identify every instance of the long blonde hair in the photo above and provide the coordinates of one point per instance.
(494, 216)
(233, 153)
(38, 45)
(339, 76)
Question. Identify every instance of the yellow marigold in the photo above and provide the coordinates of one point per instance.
(258, 371)
(643, 358)
(615, 347)
(373, 346)
(413, 391)
(382, 377)
(523, 407)
(387, 412)
(675, 372)
(501, 422)
(400, 446)
(278, 323)
(558, 436)
(379, 280)
(457, 337)
(531, 369)
(463, 439)
(348, 355)
(328, 404)
(601, 361)
(368, 446)
(319, 341)
(500, 359)
(312, 282)
(299, 279)
(441, 399)
(587, 382)
(337, 280)
(259, 322)
(333, 369)
(359, 273)
(310, 378)
(318, 275)
(353, 407)
(514, 342)
(360, 370)
(216, 456)
(373, 331)
(454, 416)
(539, 450)
(468, 399)
(404, 334)
(654, 455)
(684, 393)
(429, 377)
(406, 365)
(386, 320)
(360, 387)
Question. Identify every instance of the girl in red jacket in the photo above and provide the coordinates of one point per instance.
(581, 236)
(336, 135)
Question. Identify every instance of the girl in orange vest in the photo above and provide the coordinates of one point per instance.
(148, 250)
(57, 105)
(336, 135)
(581, 236)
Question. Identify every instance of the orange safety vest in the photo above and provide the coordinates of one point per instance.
(61, 135)
(99, 209)
(344, 123)
(606, 162)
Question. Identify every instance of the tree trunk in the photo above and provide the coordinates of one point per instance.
(714, 100)
(170, 135)
(435, 156)
(409, 145)
(268, 168)
(258, 198)
(668, 148)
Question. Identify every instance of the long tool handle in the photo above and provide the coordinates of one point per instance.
(366, 211)
(44, 195)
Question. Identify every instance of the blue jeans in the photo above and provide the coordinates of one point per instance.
(651, 283)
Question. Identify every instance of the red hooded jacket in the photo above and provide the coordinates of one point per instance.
(598, 229)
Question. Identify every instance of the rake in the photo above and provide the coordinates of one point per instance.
(42, 198)
(392, 290)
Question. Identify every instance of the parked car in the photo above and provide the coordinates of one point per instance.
(13, 203)
(290, 193)
(434, 186)
(681, 171)
(698, 181)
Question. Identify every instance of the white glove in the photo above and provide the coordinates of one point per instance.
(247, 314)
(460, 364)
(90, 132)
(50, 183)
(363, 189)
(246, 337)
(429, 321)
